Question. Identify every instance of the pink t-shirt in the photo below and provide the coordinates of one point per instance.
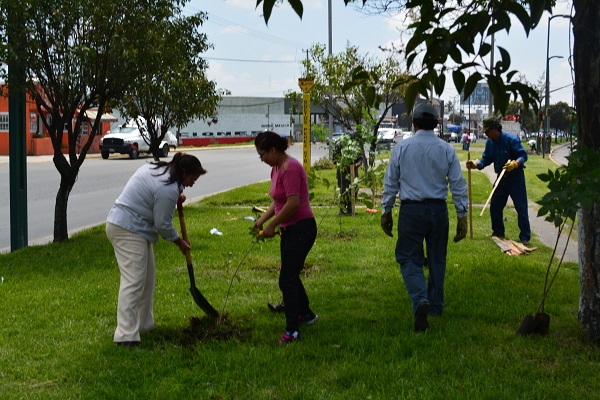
(290, 180)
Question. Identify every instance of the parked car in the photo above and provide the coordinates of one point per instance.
(336, 136)
(407, 134)
(404, 135)
(129, 139)
(453, 137)
(386, 135)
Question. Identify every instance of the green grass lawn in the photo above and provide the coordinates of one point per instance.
(58, 314)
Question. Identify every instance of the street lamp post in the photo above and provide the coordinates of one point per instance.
(548, 79)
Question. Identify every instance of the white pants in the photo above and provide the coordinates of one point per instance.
(135, 256)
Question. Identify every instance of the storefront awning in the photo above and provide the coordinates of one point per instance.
(106, 117)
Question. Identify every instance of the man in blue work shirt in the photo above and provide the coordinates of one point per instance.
(507, 153)
(420, 169)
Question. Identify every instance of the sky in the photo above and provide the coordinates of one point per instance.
(250, 58)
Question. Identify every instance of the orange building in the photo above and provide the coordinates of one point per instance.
(37, 140)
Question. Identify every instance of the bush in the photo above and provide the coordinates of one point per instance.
(324, 163)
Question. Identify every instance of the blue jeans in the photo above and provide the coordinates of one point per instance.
(513, 185)
(296, 242)
(428, 223)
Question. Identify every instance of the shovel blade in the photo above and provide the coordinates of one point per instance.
(199, 299)
(534, 324)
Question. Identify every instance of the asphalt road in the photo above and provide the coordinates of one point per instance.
(100, 182)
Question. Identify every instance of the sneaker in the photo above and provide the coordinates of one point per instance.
(421, 323)
(309, 319)
(525, 242)
(288, 337)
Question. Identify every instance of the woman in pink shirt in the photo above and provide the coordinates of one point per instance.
(290, 210)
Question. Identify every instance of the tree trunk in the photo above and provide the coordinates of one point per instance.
(589, 271)
(586, 50)
(68, 176)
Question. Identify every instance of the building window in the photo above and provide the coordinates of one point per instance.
(33, 123)
(84, 128)
(3, 122)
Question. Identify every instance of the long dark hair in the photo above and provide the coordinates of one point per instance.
(268, 139)
(180, 164)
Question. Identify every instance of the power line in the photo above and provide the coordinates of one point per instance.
(251, 32)
(254, 61)
(212, 18)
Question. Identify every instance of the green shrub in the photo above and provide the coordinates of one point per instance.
(323, 163)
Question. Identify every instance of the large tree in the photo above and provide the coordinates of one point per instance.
(559, 116)
(77, 55)
(460, 31)
(171, 89)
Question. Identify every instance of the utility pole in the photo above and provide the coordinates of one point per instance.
(16, 127)
(490, 97)
(330, 92)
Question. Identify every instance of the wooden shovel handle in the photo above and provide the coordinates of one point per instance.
(493, 190)
(470, 198)
(188, 256)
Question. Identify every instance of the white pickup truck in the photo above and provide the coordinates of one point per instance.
(128, 139)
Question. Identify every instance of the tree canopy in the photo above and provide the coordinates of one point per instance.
(171, 89)
(453, 38)
(83, 54)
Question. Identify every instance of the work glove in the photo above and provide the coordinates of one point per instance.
(461, 229)
(472, 164)
(510, 165)
(387, 223)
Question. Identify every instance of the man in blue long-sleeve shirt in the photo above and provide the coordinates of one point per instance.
(420, 169)
(506, 152)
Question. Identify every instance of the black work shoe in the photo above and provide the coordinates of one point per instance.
(421, 323)
(128, 344)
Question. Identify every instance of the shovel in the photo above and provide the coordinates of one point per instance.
(199, 299)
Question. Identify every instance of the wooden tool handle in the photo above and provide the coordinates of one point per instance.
(493, 190)
(470, 198)
(188, 256)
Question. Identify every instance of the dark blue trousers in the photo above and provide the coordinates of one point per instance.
(418, 224)
(513, 185)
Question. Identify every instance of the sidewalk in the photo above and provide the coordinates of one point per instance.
(543, 230)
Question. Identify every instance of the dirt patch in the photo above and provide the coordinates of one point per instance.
(204, 330)
(207, 329)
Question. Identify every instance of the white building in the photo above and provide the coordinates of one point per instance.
(242, 116)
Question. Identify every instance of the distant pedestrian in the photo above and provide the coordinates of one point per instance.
(506, 152)
(532, 145)
(143, 212)
(290, 210)
(463, 140)
(420, 170)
